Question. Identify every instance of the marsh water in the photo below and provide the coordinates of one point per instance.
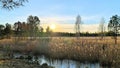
(64, 63)
(67, 63)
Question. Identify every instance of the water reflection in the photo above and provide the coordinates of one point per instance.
(64, 63)
(67, 63)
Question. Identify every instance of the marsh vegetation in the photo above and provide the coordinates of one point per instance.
(91, 50)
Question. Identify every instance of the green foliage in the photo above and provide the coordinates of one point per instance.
(2, 31)
(7, 28)
(33, 23)
(48, 31)
(114, 26)
(29, 28)
(19, 28)
(5, 31)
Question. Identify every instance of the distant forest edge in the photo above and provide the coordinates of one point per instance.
(55, 34)
(32, 28)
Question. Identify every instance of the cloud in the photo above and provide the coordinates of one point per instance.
(90, 28)
(69, 19)
(66, 23)
(70, 28)
(57, 19)
(94, 17)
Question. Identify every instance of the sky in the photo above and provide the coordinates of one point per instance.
(63, 13)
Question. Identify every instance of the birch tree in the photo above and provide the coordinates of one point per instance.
(102, 28)
(78, 26)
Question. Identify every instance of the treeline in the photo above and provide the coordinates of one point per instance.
(83, 34)
(5, 31)
(21, 29)
(31, 28)
(24, 31)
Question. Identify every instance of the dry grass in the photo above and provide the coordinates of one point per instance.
(84, 49)
(91, 50)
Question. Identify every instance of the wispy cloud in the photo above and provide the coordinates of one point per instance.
(93, 17)
(66, 23)
(70, 27)
(68, 19)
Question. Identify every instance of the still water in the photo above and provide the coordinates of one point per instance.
(67, 63)
(64, 63)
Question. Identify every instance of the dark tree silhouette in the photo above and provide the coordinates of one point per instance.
(41, 29)
(1, 31)
(114, 26)
(47, 29)
(2, 27)
(33, 22)
(18, 28)
(8, 30)
(11, 4)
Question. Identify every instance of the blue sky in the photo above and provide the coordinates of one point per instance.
(63, 12)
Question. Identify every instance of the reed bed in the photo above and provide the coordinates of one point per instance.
(84, 49)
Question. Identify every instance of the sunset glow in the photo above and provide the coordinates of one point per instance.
(52, 26)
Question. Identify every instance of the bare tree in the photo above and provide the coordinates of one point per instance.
(78, 26)
(11, 4)
(102, 28)
(114, 26)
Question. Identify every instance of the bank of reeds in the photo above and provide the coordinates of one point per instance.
(83, 50)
